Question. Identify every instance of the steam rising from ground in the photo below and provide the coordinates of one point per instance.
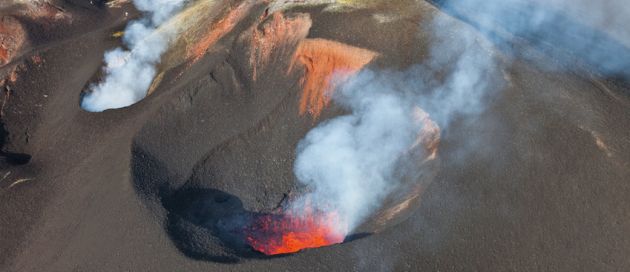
(595, 32)
(352, 162)
(129, 72)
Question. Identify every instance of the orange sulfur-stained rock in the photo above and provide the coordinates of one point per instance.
(423, 155)
(13, 76)
(219, 29)
(429, 137)
(12, 37)
(326, 64)
(279, 35)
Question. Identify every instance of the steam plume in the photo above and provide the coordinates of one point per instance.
(350, 163)
(350, 160)
(593, 32)
(129, 72)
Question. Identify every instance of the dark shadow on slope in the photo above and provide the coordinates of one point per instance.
(10, 158)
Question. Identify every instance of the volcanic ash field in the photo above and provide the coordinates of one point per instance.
(278, 135)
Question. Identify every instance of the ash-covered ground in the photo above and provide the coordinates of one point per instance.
(448, 136)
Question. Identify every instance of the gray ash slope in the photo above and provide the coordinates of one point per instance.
(548, 190)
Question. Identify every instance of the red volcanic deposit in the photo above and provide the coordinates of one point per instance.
(326, 64)
(219, 29)
(282, 233)
(12, 37)
(276, 36)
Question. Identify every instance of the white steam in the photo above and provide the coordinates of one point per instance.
(129, 72)
(350, 163)
(593, 32)
(353, 162)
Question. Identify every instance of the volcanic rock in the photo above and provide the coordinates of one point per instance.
(536, 181)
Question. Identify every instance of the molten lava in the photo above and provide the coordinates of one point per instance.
(326, 63)
(282, 233)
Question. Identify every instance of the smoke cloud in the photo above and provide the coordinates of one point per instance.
(129, 72)
(350, 160)
(592, 34)
(350, 163)
(353, 162)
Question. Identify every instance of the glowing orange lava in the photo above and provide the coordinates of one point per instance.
(283, 233)
(220, 29)
(326, 63)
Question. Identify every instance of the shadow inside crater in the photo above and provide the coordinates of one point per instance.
(208, 224)
(203, 223)
(201, 220)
